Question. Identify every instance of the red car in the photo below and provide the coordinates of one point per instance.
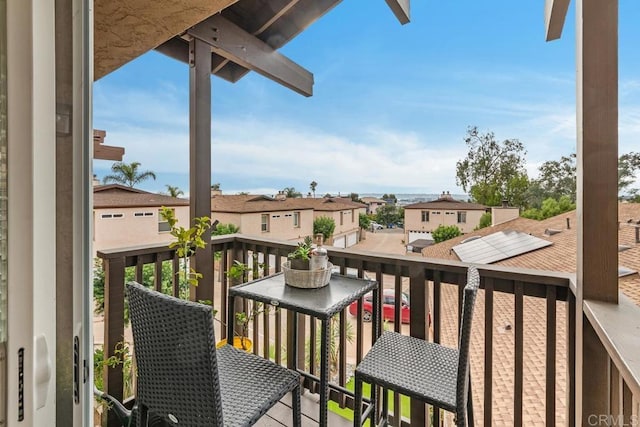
(388, 307)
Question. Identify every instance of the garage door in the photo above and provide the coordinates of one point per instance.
(415, 235)
(352, 239)
(339, 242)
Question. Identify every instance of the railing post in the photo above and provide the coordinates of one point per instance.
(418, 328)
(597, 204)
(113, 328)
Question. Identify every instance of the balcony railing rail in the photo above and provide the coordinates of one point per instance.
(435, 287)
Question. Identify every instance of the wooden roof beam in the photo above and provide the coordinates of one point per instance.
(232, 42)
(555, 12)
(400, 9)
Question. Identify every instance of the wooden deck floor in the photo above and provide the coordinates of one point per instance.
(281, 415)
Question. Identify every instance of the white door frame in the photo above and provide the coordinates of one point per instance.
(31, 212)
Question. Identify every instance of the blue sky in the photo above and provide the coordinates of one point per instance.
(391, 103)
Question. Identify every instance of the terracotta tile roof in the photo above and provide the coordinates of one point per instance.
(561, 256)
(447, 202)
(256, 203)
(120, 196)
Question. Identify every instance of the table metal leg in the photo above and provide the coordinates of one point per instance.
(324, 372)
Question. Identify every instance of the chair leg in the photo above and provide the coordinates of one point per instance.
(373, 415)
(385, 406)
(470, 406)
(295, 405)
(357, 406)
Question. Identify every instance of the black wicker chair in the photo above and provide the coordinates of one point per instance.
(185, 380)
(422, 370)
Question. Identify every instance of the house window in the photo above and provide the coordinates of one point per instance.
(112, 215)
(296, 219)
(264, 222)
(341, 218)
(163, 225)
(425, 216)
(141, 214)
(462, 217)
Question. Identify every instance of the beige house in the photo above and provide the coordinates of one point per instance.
(420, 219)
(288, 219)
(373, 204)
(124, 217)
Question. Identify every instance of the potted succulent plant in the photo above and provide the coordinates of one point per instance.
(300, 256)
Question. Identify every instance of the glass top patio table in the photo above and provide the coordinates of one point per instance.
(322, 303)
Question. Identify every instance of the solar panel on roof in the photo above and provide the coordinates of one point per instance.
(498, 246)
(624, 271)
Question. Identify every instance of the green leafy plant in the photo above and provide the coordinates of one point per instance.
(303, 250)
(236, 274)
(324, 225)
(445, 232)
(187, 241)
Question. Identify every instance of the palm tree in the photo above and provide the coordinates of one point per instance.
(313, 186)
(291, 192)
(174, 191)
(127, 174)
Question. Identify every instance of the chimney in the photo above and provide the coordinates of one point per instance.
(505, 203)
(216, 192)
(95, 181)
(281, 195)
(569, 224)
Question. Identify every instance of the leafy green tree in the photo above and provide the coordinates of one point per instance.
(445, 232)
(174, 191)
(492, 170)
(222, 229)
(128, 174)
(364, 221)
(485, 221)
(389, 214)
(628, 166)
(556, 178)
(550, 207)
(355, 197)
(390, 198)
(313, 186)
(291, 192)
(325, 226)
(215, 186)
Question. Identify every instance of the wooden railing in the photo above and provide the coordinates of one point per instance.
(434, 287)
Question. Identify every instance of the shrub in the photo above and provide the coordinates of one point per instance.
(325, 226)
(445, 232)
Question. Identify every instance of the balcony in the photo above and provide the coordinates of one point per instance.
(523, 356)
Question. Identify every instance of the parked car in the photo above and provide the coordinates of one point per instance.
(388, 307)
(376, 226)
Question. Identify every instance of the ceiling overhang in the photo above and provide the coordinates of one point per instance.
(126, 29)
(244, 35)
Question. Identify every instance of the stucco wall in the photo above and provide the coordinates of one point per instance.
(280, 224)
(131, 230)
(413, 219)
(500, 215)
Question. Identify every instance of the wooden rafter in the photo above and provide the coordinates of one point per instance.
(400, 9)
(232, 42)
(555, 12)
